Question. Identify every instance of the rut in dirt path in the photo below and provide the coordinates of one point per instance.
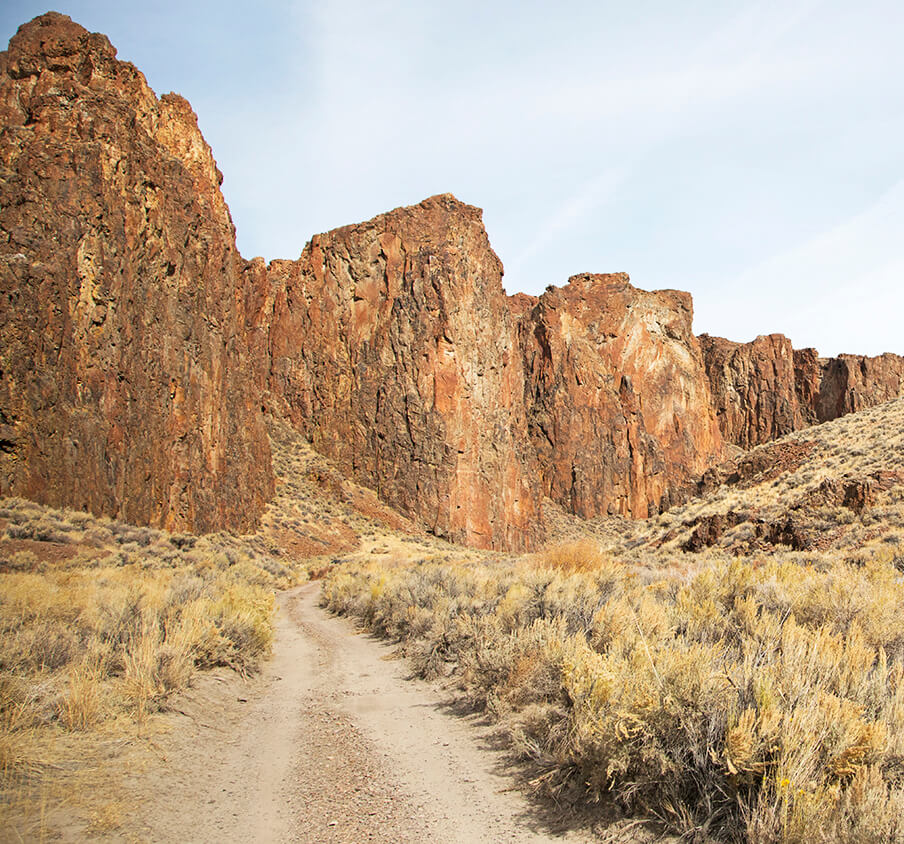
(334, 744)
(427, 775)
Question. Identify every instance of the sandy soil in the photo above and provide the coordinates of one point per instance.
(332, 743)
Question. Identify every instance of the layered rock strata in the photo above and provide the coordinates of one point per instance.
(122, 389)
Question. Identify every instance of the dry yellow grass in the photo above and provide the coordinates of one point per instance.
(741, 698)
(751, 700)
(101, 623)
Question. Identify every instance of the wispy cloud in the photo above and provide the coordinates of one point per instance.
(602, 188)
(843, 282)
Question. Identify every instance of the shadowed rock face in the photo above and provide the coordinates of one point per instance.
(617, 399)
(764, 389)
(753, 388)
(392, 348)
(121, 389)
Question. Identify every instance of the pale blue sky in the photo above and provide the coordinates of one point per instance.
(751, 153)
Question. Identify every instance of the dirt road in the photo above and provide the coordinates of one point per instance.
(333, 744)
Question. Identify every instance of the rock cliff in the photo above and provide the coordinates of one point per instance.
(753, 388)
(617, 400)
(392, 346)
(139, 353)
(852, 382)
(121, 389)
(765, 389)
(392, 349)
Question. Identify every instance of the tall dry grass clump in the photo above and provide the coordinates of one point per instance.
(101, 621)
(757, 700)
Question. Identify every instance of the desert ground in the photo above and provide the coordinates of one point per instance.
(460, 697)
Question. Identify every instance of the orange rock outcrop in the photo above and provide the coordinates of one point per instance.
(617, 399)
(765, 389)
(140, 354)
(122, 389)
(392, 349)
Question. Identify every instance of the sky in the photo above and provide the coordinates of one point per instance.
(751, 153)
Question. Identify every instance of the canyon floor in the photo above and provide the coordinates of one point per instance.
(337, 739)
(332, 742)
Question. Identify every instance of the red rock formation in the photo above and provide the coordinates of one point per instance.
(521, 304)
(764, 389)
(121, 389)
(618, 404)
(391, 348)
(753, 388)
(137, 348)
(807, 381)
(853, 382)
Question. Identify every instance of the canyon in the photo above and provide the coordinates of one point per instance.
(143, 357)
(765, 389)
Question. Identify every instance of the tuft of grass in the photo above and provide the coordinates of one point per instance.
(79, 706)
(580, 555)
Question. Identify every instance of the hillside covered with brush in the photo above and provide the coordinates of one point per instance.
(738, 690)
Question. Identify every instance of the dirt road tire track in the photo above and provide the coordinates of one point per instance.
(333, 743)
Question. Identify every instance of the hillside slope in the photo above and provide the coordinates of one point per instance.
(836, 488)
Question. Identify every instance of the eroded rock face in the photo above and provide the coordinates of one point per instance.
(121, 391)
(393, 350)
(853, 382)
(753, 388)
(617, 399)
(138, 351)
(807, 383)
(764, 389)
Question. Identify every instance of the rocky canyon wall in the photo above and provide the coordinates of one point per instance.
(139, 353)
(764, 389)
(121, 389)
(753, 388)
(392, 349)
(616, 394)
(850, 383)
(392, 346)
